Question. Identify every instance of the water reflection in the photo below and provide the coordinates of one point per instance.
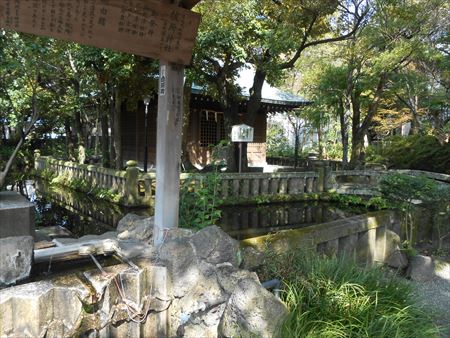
(250, 221)
(78, 212)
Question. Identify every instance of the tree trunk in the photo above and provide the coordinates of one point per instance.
(415, 124)
(343, 119)
(296, 142)
(104, 141)
(118, 130)
(360, 129)
(77, 125)
(111, 108)
(319, 141)
(253, 107)
(186, 161)
(254, 102)
(230, 110)
(70, 146)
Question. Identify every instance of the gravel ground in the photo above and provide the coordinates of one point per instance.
(435, 296)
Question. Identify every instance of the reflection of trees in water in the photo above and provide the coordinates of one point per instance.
(249, 221)
(80, 213)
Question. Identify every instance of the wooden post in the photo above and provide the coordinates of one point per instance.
(168, 148)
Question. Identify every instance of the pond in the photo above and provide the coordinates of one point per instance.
(242, 222)
(62, 212)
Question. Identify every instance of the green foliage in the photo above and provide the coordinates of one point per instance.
(277, 142)
(352, 201)
(412, 152)
(47, 174)
(334, 297)
(78, 184)
(106, 194)
(377, 203)
(404, 191)
(200, 201)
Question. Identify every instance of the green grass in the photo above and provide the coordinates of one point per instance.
(334, 297)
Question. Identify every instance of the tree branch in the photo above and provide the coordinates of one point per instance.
(304, 44)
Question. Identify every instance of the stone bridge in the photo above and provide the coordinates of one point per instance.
(366, 182)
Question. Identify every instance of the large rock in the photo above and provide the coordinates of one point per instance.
(204, 273)
(215, 246)
(252, 259)
(397, 259)
(16, 255)
(203, 324)
(252, 311)
(421, 268)
(201, 308)
(135, 227)
(394, 256)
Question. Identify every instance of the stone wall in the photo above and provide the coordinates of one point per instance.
(365, 234)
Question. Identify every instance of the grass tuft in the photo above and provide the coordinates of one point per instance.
(334, 297)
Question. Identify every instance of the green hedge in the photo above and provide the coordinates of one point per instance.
(412, 152)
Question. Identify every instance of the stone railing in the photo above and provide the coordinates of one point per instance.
(126, 183)
(248, 185)
(138, 189)
(366, 182)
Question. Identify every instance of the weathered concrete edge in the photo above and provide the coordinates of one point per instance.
(324, 232)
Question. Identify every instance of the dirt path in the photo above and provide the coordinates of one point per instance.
(435, 296)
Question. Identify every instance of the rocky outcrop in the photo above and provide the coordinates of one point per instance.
(252, 311)
(191, 287)
(135, 227)
(205, 275)
(420, 268)
(397, 260)
(16, 254)
(394, 255)
(252, 259)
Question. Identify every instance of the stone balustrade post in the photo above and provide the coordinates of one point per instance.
(131, 186)
(320, 169)
(37, 155)
(327, 184)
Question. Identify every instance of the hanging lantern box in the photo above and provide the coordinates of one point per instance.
(242, 133)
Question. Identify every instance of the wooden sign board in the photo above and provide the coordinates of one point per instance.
(142, 27)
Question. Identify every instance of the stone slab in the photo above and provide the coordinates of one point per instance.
(16, 215)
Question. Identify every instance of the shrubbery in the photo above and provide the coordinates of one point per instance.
(334, 297)
(412, 152)
(200, 202)
(78, 184)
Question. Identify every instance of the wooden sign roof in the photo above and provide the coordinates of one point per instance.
(144, 27)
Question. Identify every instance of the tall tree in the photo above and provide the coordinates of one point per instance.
(270, 36)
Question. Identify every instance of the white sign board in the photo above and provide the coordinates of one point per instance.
(242, 133)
